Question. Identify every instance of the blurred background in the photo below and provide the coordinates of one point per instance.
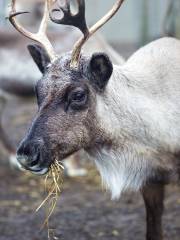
(84, 211)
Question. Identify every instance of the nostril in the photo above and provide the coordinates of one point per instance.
(28, 154)
(20, 150)
(24, 149)
(35, 160)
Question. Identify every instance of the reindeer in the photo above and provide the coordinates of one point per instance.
(16, 83)
(126, 117)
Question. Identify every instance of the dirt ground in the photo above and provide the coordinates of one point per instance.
(84, 210)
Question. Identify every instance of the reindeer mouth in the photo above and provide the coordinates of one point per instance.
(35, 157)
(36, 169)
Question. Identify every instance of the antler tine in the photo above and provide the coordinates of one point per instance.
(78, 45)
(40, 36)
(78, 20)
(44, 22)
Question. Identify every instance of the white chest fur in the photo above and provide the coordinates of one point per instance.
(122, 170)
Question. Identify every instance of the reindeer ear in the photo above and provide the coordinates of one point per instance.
(99, 69)
(39, 56)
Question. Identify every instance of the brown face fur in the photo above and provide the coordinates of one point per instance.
(66, 117)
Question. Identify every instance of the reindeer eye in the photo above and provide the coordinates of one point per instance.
(78, 96)
(77, 99)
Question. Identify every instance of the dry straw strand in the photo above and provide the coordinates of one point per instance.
(53, 183)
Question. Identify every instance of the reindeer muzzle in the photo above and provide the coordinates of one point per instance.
(30, 157)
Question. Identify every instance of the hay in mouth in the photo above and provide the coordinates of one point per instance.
(53, 183)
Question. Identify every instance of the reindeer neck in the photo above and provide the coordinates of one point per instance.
(131, 140)
(118, 108)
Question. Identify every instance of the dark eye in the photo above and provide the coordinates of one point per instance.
(77, 99)
(78, 96)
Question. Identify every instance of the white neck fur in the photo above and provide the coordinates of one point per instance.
(125, 165)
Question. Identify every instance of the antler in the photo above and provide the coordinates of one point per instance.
(41, 35)
(79, 21)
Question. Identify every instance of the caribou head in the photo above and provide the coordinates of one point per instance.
(66, 120)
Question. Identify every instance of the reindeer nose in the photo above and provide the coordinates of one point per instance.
(29, 155)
